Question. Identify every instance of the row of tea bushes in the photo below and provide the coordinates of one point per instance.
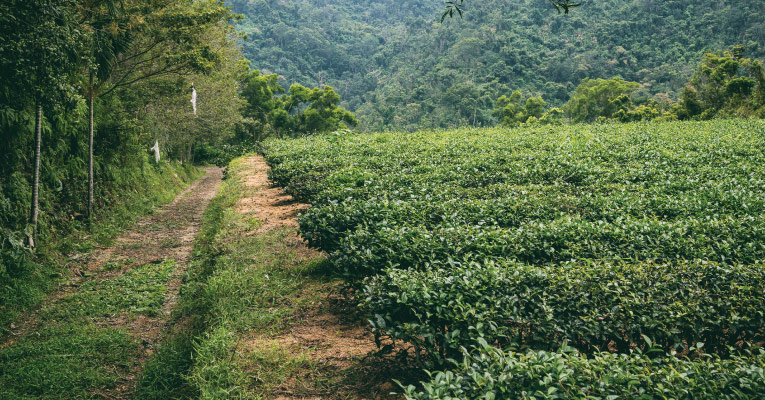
(592, 306)
(490, 373)
(369, 249)
(510, 206)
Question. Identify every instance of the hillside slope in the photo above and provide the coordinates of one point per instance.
(396, 66)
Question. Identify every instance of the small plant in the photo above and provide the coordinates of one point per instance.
(171, 242)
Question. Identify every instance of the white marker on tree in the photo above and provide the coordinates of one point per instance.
(194, 98)
(156, 151)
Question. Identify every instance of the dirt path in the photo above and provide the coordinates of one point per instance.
(328, 334)
(167, 236)
(270, 205)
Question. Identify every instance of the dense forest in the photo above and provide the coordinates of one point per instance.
(397, 67)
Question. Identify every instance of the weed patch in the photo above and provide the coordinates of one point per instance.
(71, 360)
(140, 290)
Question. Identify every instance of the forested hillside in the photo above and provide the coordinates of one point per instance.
(397, 67)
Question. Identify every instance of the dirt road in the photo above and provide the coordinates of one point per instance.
(124, 293)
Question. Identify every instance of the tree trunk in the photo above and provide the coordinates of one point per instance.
(90, 153)
(36, 180)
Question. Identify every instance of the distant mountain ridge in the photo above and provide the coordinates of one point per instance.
(397, 67)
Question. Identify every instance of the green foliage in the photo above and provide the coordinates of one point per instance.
(323, 115)
(259, 92)
(725, 84)
(591, 306)
(512, 110)
(639, 113)
(396, 67)
(597, 98)
(299, 111)
(490, 373)
(39, 51)
(591, 236)
(538, 195)
(452, 6)
(593, 100)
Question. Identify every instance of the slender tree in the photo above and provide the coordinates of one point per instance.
(109, 38)
(36, 179)
(91, 125)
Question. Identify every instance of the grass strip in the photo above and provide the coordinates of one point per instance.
(238, 283)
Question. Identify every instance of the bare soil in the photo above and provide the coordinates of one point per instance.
(270, 205)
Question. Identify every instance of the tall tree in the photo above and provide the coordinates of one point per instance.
(595, 98)
(299, 111)
(109, 38)
(134, 41)
(512, 110)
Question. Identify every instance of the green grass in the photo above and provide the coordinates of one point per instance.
(72, 354)
(256, 285)
(140, 290)
(170, 242)
(164, 375)
(65, 361)
(269, 365)
(27, 282)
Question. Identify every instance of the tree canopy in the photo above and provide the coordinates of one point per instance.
(272, 110)
(726, 83)
(456, 6)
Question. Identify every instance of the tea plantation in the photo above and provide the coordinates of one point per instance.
(592, 261)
